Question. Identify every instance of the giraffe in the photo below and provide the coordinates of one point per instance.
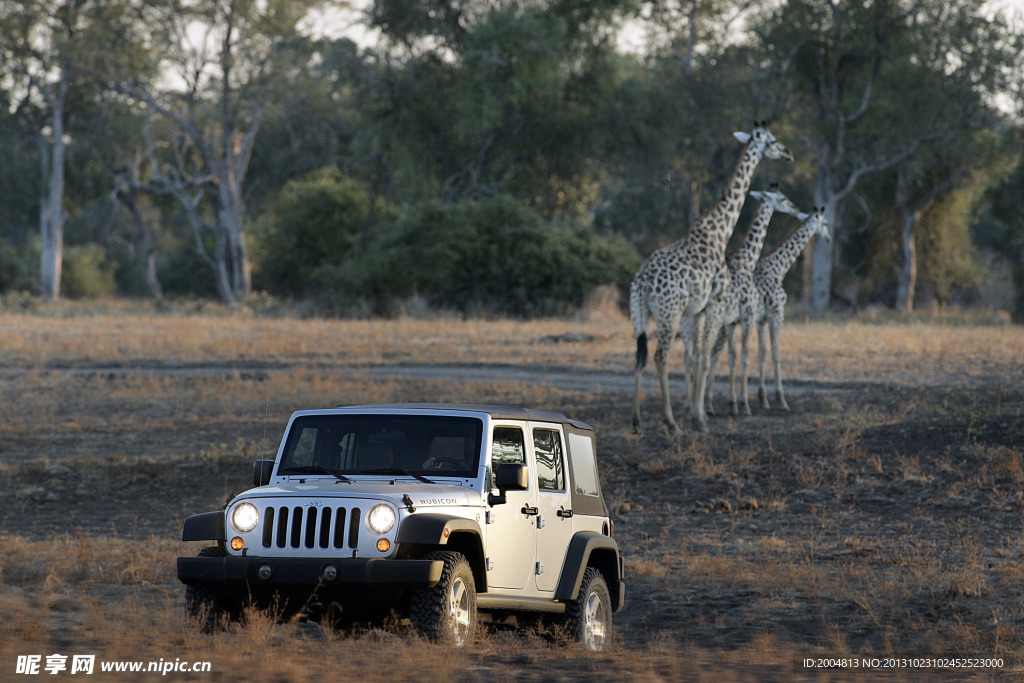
(675, 283)
(742, 300)
(768, 279)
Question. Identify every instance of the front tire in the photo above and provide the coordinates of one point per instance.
(446, 613)
(201, 605)
(588, 618)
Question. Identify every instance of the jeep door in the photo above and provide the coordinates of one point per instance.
(511, 528)
(554, 507)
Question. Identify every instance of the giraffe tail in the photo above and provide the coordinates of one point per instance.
(638, 316)
(641, 352)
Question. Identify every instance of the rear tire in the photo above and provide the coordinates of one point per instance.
(588, 618)
(446, 613)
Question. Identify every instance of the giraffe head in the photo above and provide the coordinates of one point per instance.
(820, 224)
(778, 202)
(772, 148)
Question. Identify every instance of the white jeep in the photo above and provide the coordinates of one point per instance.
(445, 513)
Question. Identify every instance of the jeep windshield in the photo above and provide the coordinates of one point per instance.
(417, 445)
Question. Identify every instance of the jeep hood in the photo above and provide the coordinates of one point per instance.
(422, 495)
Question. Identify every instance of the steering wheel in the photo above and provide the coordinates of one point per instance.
(448, 464)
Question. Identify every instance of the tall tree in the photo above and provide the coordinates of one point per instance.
(222, 66)
(51, 48)
(873, 82)
(482, 98)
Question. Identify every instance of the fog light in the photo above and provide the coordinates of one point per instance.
(237, 543)
(265, 571)
(330, 572)
(383, 545)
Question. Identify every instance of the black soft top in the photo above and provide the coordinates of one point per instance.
(498, 412)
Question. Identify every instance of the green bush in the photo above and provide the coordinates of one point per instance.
(315, 222)
(13, 270)
(86, 273)
(488, 256)
(183, 272)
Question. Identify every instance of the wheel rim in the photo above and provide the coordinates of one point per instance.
(459, 615)
(595, 622)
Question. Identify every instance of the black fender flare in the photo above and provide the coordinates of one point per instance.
(431, 529)
(434, 529)
(208, 526)
(605, 550)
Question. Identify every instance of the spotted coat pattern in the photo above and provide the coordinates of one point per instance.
(742, 301)
(768, 279)
(676, 283)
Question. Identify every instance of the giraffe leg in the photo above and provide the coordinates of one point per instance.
(712, 323)
(665, 336)
(762, 351)
(776, 330)
(691, 331)
(744, 374)
(732, 367)
(716, 351)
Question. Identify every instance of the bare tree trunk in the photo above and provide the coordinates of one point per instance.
(910, 210)
(818, 286)
(822, 263)
(51, 205)
(691, 40)
(221, 270)
(127, 185)
(906, 272)
(694, 202)
(230, 221)
(147, 247)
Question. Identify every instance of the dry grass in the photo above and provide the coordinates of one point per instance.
(127, 615)
(817, 351)
(871, 523)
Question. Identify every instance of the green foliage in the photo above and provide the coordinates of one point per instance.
(183, 272)
(948, 258)
(315, 222)
(87, 273)
(1002, 230)
(13, 270)
(491, 256)
(466, 113)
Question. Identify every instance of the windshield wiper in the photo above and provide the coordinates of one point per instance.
(316, 469)
(395, 470)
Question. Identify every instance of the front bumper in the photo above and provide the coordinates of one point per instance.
(243, 573)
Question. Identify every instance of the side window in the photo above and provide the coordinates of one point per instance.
(547, 446)
(506, 447)
(584, 464)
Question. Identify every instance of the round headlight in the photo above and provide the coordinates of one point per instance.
(245, 517)
(380, 518)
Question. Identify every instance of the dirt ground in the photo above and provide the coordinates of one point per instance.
(873, 519)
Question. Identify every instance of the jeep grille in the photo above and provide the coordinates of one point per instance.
(298, 526)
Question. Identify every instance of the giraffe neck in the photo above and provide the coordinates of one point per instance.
(745, 258)
(718, 222)
(785, 254)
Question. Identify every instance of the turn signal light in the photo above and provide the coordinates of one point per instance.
(237, 543)
(383, 545)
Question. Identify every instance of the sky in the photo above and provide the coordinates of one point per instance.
(350, 22)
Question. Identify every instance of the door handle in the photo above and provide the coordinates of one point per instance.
(529, 511)
(564, 514)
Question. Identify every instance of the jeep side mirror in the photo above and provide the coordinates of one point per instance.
(509, 476)
(261, 471)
